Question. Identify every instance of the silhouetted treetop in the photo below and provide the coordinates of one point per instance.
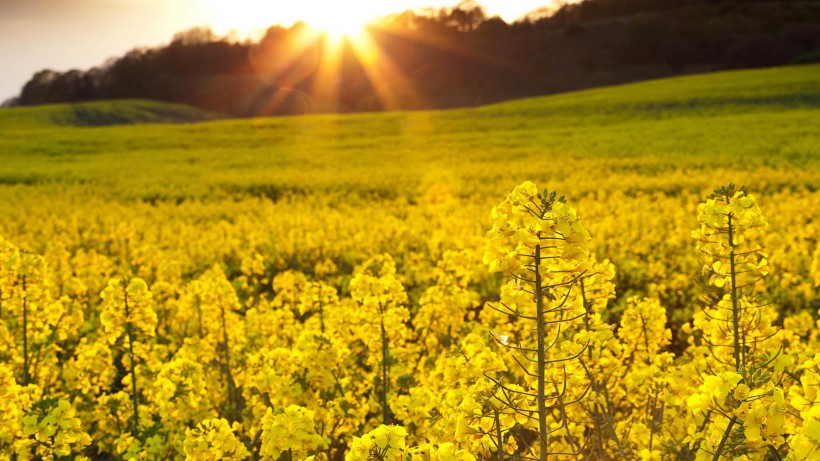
(448, 57)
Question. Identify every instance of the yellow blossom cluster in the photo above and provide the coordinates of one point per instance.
(385, 443)
(127, 306)
(51, 430)
(292, 430)
(214, 439)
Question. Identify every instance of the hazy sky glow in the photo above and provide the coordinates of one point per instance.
(68, 34)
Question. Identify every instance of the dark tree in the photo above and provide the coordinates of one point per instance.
(449, 57)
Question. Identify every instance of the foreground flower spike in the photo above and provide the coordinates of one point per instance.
(729, 237)
(29, 310)
(127, 309)
(377, 289)
(741, 399)
(538, 240)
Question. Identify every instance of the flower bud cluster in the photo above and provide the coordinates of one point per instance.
(51, 428)
(528, 219)
(127, 303)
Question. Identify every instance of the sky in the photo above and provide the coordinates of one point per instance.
(79, 34)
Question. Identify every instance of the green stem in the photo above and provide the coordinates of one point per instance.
(775, 453)
(702, 426)
(130, 333)
(586, 309)
(199, 317)
(498, 435)
(321, 311)
(596, 410)
(735, 307)
(563, 410)
(25, 334)
(652, 420)
(385, 383)
(723, 439)
(645, 338)
(599, 413)
(234, 414)
(543, 454)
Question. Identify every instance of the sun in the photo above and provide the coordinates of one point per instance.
(347, 25)
(337, 19)
(310, 61)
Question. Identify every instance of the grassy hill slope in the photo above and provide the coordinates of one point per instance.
(102, 113)
(738, 121)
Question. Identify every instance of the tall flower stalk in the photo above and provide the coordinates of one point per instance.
(127, 311)
(539, 241)
(736, 328)
(378, 290)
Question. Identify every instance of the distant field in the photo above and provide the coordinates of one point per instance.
(187, 201)
(736, 124)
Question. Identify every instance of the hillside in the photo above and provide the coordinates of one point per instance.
(103, 113)
(728, 120)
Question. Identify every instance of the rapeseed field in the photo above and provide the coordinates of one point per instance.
(621, 273)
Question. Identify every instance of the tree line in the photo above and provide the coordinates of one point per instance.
(449, 57)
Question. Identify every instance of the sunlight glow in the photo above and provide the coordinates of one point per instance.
(345, 24)
(248, 17)
(391, 85)
(252, 17)
(309, 64)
